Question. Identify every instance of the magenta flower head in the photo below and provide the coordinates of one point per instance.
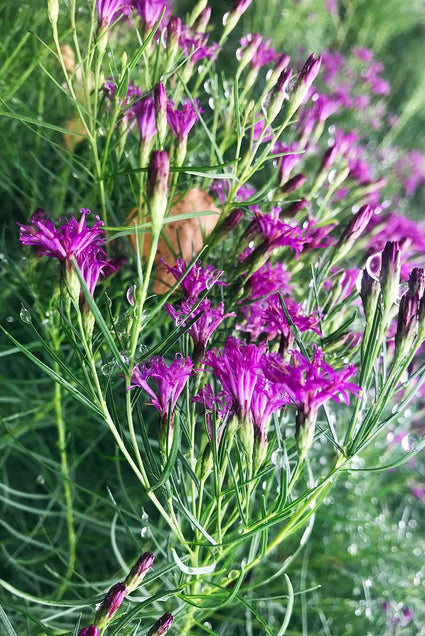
(109, 11)
(71, 240)
(162, 625)
(170, 382)
(150, 12)
(182, 121)
(208, 320)
(198, 280)
(237, 367)
(157, 188)
(139, 571)
(110, 605)
(310, 384)
(92, 630)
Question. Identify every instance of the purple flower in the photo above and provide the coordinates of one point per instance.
(182, 121)
(72, 239)
(111, 10)
(262, 53)
(237, 367)
(170, 381)
(150, 11)
(311, 384)
(287, 161)
(277, 233)
(221, 188)
(267, 398)
(198, 280)
(269, 279)
(208, 319)
(89, 631)
(196, 45)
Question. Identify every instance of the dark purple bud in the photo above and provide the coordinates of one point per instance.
(407, 325)
(417, 281)
(89, 631)
(110, 604)
(310, 70)
(293, 184)
(139, 571)
(157, 188)
(162, 625)
(240, 6)
(278, 95)
(232, 220)
(329, 158)
(295, 207)
(390, 273)
(369, 293)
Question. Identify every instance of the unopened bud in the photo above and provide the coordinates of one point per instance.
(259, 452)
(160, 100)
(110, 605)
(53, 11)
(278, 95)
(162, 625)
(417, 281)
(369, 293)
(89, 631)
(157, 188)
(390, 273)
(293, 208)
(228, 224)
(203, 19)
(207, 463)
(306, 78)
(231, 19)
(174, 29)
(273, 75)
(353, 232)
(249, 51)
(139, 571)
(329, 158)
(407, 325)
(293, 184)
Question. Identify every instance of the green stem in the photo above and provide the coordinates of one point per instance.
(60, 423)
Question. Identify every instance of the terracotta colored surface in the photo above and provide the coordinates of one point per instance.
(185, 237)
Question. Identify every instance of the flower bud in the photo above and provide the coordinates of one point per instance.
(293, 208)
(293, 184)
(89, 631)
(203, 19)
(306, 78)
(53, 11)
(390, 273)
(369, 293)
(160, 100)
(278, 95)
(157, 188)
(174, 29)
(354, 230)
(110, 605)
(231, 19)
(139, 571)
(162, 625)
(329, 158)
(407, 326)
(417, 281)
(274, 75)
(304, 432)
(227, 225)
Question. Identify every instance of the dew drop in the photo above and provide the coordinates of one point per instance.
(40, 480)
(9, 319)
(144, 532)
(25, 315)
(278, 458)
(106, 369)
(225, 18)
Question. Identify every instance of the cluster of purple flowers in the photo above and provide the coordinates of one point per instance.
(70, 240)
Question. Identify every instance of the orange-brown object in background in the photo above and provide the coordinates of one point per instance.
(186, 237)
